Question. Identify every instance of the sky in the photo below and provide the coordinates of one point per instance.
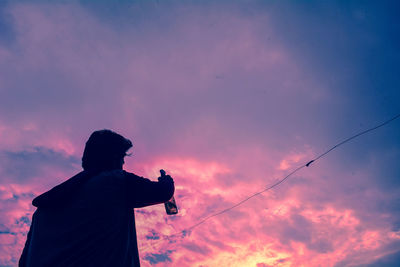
(228, 97)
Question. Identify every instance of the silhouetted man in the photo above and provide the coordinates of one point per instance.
(89, 219)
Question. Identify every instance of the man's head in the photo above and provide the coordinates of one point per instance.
(105, 150)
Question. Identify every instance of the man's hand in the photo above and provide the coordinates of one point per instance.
(165, 178)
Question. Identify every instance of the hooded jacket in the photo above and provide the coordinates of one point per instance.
(89, 220)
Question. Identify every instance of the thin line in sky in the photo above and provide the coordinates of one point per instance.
(185, 231)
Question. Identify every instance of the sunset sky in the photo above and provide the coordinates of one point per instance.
(228, 97)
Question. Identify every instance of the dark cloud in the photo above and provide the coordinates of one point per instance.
(21, 166)
(154, 258)
(387, 261)
(200, 249)
(152, 236)
(322, 245)
(299, 229)
(391, 260)
(7, 34)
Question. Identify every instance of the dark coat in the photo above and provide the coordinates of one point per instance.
(89, 220)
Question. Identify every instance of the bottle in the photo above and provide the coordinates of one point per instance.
(170, 205)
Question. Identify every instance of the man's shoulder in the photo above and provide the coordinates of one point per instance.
(60, 192)
(113, 176)
(131, 175)
(116, 177)
(121, 174)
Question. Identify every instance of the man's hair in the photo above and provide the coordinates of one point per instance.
(103, 150)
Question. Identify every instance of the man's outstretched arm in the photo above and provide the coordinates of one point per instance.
(142, 192)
